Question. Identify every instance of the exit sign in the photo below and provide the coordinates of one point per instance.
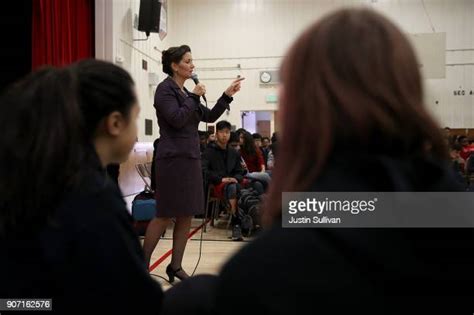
(272, 98)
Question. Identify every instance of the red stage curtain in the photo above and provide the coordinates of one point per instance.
(62, 31)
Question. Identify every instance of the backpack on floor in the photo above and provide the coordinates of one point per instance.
(249, 210)
(246, 222)
(143, 211)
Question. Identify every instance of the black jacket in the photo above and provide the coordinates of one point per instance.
(356, 271)
(218, 163)
(88, 257)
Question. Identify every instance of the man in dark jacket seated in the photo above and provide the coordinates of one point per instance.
(222, 168)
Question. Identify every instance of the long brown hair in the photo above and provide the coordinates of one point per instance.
(248, 147)
(352, 78)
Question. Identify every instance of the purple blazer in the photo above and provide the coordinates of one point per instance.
(179, 116)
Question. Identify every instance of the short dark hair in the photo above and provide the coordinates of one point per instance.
(54, 113)
(265, 138)
(223, 124)
(274, 137)
(240, 131)
(456, 147)
(234, 137)
(257, 136)
(173, 54)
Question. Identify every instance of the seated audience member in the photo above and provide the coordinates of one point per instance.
(455, 154)
(240, 133)
(257, 138)
(240, 130)
(271, 160)
(234, 141)
(457, 162)
(274, 144)
(265, 142)
(353, 80)
(453, 140)
(266, 146)
(466, 148)
(269, 147)
(221, 166)
(211, 138)
(253, 159)
(447, 135)
(202, 141)
(66, 234)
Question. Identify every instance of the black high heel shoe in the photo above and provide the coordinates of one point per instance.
(174, 273)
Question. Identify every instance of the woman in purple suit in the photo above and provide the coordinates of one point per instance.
(179, 190)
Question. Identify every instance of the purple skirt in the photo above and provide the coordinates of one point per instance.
(179, 187)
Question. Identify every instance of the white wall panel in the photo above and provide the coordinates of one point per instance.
(258, 33)
(124, 47)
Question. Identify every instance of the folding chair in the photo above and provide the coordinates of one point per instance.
(145, 174)
(148, 168)
(214, 202)
(144, 170)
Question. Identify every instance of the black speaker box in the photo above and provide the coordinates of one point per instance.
(149, 16)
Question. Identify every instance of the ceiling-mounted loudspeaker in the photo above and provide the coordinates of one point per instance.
(149, 16)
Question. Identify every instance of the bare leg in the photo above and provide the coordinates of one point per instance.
(155, 229)
(180, 238)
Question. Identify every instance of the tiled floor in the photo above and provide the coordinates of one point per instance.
(215, 249)
(214, 254)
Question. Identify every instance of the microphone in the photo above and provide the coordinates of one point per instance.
(194, 76)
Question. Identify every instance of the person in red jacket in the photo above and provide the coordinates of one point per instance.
(253, 160)
(466, 147)
(252, 155)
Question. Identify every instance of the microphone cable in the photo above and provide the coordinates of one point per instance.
(200, 243)
(199, 256)
(207, 108)
(204, 222)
